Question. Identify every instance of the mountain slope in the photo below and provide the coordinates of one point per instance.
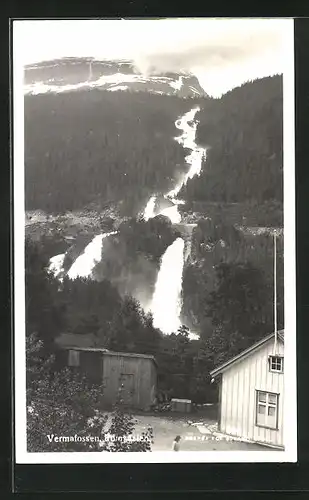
(98, 147)
(101, 148)
(75, 73)
(244, 132)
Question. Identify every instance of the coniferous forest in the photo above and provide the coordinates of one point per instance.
(244, 131)
(96, 147)
(92, 149)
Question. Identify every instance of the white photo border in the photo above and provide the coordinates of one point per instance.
(290, 404)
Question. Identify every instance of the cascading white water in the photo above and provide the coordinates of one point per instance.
(85, 263)
(56, 265)
(149, 211)
(172, 213)
(166, 301)
(187, 139)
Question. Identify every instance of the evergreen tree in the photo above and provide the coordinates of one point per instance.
(236, 309)
(44, 312)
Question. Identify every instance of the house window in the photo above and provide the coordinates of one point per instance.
(73, 358)
(276, 364)
(267, 409)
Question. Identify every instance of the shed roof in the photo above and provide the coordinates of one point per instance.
(246, 353)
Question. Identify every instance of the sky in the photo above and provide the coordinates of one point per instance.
(223, 53)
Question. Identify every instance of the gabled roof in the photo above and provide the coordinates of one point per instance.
(246, 353)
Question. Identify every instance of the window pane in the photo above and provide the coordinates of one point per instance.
(271, 421)
(267, 411)
(273, 360)
(272, 398)
(260, 419)
(276, 363)
(262, 397)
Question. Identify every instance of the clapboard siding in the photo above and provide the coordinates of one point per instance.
(240, 382)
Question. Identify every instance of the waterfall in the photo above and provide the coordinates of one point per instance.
(187, 139)
(149, 211)
(166, 301)
(172, 213)
(55, 266)
(84, 264)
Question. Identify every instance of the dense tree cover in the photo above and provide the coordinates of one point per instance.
(150, 238)
(184, 366)
(44, 313)
(213, 245)
(244, 133)
(89, 306)
(130, 259)
(98, 146)
(228, 296)
(240, 308)
(83, 306)
(102, 147)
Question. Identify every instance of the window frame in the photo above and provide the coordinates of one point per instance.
(273, 370)
(266, 406)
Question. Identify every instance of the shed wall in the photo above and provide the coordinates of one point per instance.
(91, 365)
(137, 374)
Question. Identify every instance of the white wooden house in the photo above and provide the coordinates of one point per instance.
(251, 393)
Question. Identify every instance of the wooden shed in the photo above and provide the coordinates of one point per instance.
(251, 393)
(135, 374)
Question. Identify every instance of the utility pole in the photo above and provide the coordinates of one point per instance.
(275, 291)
